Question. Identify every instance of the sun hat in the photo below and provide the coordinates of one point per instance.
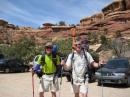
(48, 44)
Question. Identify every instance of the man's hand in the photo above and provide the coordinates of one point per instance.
(33, 72)
(102, 63)
(98, 65)
(62, 62)
(95, 65)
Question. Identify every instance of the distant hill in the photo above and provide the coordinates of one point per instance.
(115, 17)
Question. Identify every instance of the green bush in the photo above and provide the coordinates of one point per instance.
(95, 56)
(106, 43)
(23, 49)
(26, 49)
(93, 37)
(65, 46)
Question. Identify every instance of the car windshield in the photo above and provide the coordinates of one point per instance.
(117, 64)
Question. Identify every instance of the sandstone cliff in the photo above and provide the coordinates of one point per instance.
(115, 17)
(115, 22)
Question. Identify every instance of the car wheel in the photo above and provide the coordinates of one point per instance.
(7, 70)
(99, 83)
(22, 70)
(128, 81)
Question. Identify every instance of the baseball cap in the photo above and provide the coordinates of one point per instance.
(48, 44)
(77, 42)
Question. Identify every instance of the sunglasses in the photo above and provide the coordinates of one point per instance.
(48, 47)
(77, 44)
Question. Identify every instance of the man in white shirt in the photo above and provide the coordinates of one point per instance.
(77, 61)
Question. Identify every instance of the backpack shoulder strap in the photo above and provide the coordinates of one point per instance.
(43, 59)
(85, 56)
(72, 56)
(86, 60)
(54, 58)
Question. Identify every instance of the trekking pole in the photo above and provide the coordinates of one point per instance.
(61, 78)
(100, 29)
(33, 82)
(60, 85)
(102, 82)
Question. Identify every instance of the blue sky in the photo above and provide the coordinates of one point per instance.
(36, 12)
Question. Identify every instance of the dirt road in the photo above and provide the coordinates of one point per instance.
(20, 85)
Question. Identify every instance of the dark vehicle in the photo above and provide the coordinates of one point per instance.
(1, 56)
(116, 71)
(13, 65)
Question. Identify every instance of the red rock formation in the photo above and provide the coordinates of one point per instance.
(115, 18)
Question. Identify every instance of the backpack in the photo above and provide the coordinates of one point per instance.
(38, 68)
(55, 49)
(85, 44)
(89, 72)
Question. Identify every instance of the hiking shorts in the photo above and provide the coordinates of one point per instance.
(47, 84)
(83, 88)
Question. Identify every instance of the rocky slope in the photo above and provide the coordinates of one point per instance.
(113, 19)
(114, 22)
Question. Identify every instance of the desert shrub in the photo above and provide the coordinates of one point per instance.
(23, 49)
(94, 55)
(65, 46)
(106, 43)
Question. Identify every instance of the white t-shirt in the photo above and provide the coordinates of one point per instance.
(79, 65)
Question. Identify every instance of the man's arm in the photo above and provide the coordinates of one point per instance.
(97, 65)
(92, 62)
(67, 64)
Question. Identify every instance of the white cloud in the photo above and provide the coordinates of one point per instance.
(14, 11)
(20, 14)
(38, 12)
(11, 9)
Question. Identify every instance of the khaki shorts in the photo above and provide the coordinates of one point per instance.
(47, 84)
(83, 88)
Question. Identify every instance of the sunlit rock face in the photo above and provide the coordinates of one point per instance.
(115, 17)
(116, 5)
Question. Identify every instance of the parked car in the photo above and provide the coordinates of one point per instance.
(1, 56)
(115, 71)
(13, 65)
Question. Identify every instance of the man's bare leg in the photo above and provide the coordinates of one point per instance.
(76, 94)
(83, 95)
(53, 94)
(41, 94)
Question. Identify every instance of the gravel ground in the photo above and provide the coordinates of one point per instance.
(20, 85)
